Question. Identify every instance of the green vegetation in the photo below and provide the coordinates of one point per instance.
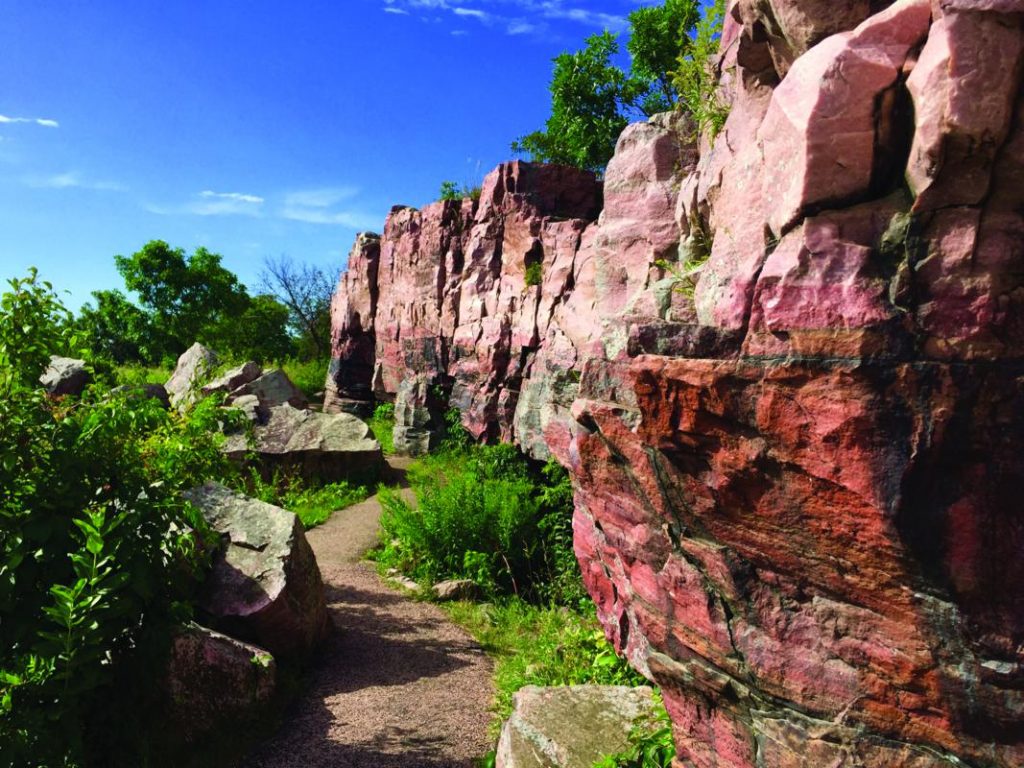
(650, 744)
(534, 273)
(99, 554)
(382, 423)
(452, 191)
(593, 99)
(695, 80)
(310, 376)
(312, 503)
(485, 514)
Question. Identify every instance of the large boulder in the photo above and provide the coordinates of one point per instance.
(271, 388)
(193, 369)
(65, 376)
(315, 445)
(571, 726)
(231, 380)
(214, 687)
(265, 586)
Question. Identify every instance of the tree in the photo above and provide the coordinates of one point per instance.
(118, 330)
(658, 36)
(589, 96)
(592, 99)
(183, 294)
(306, 291)
(259, 333)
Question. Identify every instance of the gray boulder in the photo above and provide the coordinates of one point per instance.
(570, 726)
(325, 446)
(213, 685)
(265, 585)
(193, 369)
(65, 376)
(456, 589)
(272, 388)
(233, 379)
(144, 392)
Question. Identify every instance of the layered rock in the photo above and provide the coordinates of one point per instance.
(795, 494)
(572, 726)
(265, 585)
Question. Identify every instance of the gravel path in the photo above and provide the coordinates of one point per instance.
(397, 684)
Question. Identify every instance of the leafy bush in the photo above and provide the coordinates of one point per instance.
(535, 645)
(99, 555)
(309, 376)
(650, 744)
(382, 424)
(313, 504)
(534, 274)
(484, 514)
(695, 77)
(452, 191)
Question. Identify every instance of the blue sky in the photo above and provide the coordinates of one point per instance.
(255, 129)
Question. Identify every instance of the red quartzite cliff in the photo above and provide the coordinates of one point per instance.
(797, 490)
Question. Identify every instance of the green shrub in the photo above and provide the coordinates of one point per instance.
(382, 423)
(485, 514)
(310, 376)
(452, 191)
(651, 744)
(313, 503)
(99, 554)
(534, 273)
(534, 645)
(696, 79)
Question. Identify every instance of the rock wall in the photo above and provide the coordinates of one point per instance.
(795, 492)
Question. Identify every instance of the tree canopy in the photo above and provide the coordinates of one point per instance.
(593, 99)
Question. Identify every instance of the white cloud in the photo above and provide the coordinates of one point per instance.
(473, 12)
(43, 121)
(318, 206)
(237, 196)
(459, 33)
(210, 203)
(520, 17)
(72, 180)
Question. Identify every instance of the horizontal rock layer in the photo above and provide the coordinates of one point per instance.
(795, 501)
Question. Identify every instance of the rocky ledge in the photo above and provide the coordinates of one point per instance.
(795, 490)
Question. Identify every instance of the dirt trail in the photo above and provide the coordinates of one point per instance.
(397, 685)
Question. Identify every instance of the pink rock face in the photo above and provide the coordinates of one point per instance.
(795, 490)
(820, 133)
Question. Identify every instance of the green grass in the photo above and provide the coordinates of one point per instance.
(137, 375)
(535, 645)
(309, 376)
(312, 504)
(382, 423)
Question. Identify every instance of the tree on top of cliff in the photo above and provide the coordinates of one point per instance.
(592, 99)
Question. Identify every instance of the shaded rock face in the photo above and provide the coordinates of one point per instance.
(795, 494)
(65, 376)
(265, 586)
(214, 685)
(571, 726)
(313, 445)
(193, 369)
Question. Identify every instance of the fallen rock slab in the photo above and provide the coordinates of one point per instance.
(235, 378)
(265, 585)
(570, 726)
(456, 589)
(272, 388)
(65, 376)
(214, 684)
(193, 368)
(325, 446)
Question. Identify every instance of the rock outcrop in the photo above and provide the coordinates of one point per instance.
(571, 726)
(192, 371)
(265, 585)
(65, 376)
(795, 493)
